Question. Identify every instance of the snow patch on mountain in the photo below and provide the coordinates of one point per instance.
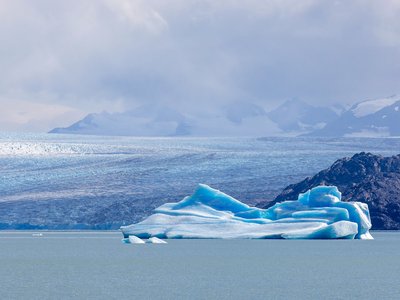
(298, 116)
(374, 131)
(372, 106)
(370, 118)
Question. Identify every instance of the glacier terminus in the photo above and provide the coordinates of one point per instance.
(318, 213)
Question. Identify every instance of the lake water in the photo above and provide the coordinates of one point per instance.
(74, 182)
(96, 265)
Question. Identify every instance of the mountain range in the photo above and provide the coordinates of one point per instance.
(370, 118)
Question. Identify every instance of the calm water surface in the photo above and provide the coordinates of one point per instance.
(96, 265)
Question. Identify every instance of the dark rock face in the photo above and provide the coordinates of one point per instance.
(365, 177)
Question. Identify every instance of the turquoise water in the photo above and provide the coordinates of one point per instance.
(96, 265)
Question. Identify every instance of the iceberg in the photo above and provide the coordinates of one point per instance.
(210, 214)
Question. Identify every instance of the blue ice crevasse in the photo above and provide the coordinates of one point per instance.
(208, 213)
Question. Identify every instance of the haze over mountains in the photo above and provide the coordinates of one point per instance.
(369, 118)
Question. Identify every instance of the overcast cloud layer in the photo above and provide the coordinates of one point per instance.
(62, 59)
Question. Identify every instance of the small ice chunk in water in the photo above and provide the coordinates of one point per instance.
(156, 240)
(135, 240)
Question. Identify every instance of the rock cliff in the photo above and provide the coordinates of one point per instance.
(365, 177)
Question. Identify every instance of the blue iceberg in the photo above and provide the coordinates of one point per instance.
(208, 213)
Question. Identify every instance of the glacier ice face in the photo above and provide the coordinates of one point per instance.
(208, 213)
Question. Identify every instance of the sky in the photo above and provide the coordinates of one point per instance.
(60, 60)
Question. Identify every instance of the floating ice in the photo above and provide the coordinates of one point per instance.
(133, 240)
(156, 240)
(209, 213)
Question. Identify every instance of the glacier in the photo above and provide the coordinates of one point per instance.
(318, 213)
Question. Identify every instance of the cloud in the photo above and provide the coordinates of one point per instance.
(35, 116)
(138, 14)
(95, 55)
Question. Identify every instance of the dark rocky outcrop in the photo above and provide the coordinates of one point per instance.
(365, 177)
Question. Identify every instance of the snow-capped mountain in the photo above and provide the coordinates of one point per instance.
(143, 121)
(298, 116)
(236, 119)
(370, 118)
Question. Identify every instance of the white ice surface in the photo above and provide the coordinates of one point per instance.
(155, 240)
(135, 240)
(372, 106)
